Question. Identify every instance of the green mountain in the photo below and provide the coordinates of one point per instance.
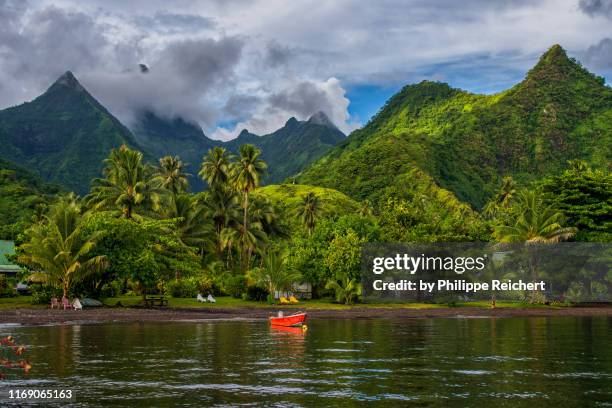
(63, 135)
(162, 137)
(468, 142)
(287, 151)
(21, 191)
(294, 146)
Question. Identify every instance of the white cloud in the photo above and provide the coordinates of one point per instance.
(299, 99)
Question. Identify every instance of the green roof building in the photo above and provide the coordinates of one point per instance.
(6, 266)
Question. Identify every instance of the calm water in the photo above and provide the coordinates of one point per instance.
(536, 362)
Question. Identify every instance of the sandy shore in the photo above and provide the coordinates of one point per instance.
(105, 315)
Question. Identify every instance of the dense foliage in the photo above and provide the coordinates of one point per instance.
(288, 199)
(58, 249)
(415, 209)
(23, 195)
(584, 195)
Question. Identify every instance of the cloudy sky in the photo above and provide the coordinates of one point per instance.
(236, 64)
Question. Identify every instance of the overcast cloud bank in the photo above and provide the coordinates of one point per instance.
(253, 64)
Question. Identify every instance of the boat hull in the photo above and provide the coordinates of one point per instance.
(293, 320)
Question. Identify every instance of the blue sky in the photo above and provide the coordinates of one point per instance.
(252, 64)
(366, 100)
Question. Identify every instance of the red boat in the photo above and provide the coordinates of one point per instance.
(294, 320)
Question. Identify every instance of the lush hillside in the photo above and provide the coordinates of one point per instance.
(20, 193)
(287, 199)
(294, 146)
(63, 135)
(416, 209)
(468, 142)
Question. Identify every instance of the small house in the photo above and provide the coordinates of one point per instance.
(7, 268)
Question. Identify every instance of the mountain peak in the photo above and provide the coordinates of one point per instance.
(291, 121)
(556, 53)
(320, 118)
(53, 133)
(553, 71)
(555, 57)
(68, 80)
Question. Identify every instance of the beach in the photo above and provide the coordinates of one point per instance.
(118, 315)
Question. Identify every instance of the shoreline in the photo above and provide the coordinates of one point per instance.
(35, 317)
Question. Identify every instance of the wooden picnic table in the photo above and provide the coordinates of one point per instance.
(156, 300)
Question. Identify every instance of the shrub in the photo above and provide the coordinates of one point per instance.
(3, 283)
(182, 288)
(256, 293)
(42, 294)
(234, 285)
(112, 289)
(204, 285)
(6, 289)
(217, 287)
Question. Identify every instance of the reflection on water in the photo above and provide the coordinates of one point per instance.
(556, 362)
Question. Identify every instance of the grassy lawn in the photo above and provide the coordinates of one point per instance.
(514, 305)
(19, 302)
(230, 302)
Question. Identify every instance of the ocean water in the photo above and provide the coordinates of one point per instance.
(458, 362)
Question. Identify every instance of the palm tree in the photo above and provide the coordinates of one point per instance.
(309, 211)
(274, 275)
(578, 166)
(536, 222)
(58, 250)
(127, 186)
(171, 176)
(251, 239)
(502, 199)
(227, 241)
(262, 211)
(346, 290)
(366, 209)
(191, 225)
(245, 240)
(247, 176)
(507, 191)
(221, 205)
(193, 228)
(215, 168)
